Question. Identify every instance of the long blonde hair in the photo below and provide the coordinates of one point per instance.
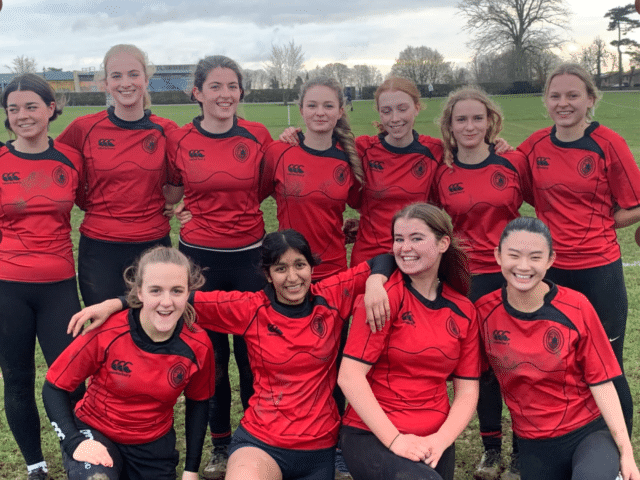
(494, 118)
(134, 274)
(342, 130)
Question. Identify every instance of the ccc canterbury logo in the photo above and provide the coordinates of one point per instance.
(456, 187)
(501, 336)
(295, 169)
(407, 318)
(10, 177)
(375, 165)
(106, 143)
(274, 329)
(121, 366)
(196, 154)
(542, 162)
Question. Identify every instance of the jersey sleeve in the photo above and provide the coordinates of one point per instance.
(594, 352)
(78, 361)
(469, 365)
(519, 161)
(227, 312)
(623, 173)
(364, 345)
(267, 171)
(174, 176)
(344, 288)
(201, 385)
(73, 136)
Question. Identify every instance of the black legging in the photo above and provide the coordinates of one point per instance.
(27, 311)
(101, 265)
(368, 459)
(228, 271)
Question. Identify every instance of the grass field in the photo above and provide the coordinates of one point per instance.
(523, 115)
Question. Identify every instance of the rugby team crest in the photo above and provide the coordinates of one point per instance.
(150, 143)
(177, 375)
(241, 152)
(60, 176)
(553, 340)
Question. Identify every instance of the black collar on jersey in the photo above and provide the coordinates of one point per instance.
(492, 159)
(583, 143)
(332, 152)
(546, 312)
(414, 147)
(144, 123)
(49, 154)
(234, 131)
(294, 311)
(438, 303)
(172, 346)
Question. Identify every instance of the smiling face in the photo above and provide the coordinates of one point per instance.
(524, 258)
(291, 277)
(164, 293)
(469, 123)
(568, 103)
(28, 115)
(219, 97)
(415, 247)
(398, 114)
(126, 82)
(320, 109)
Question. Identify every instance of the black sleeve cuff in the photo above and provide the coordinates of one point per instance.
(57, 403)
(384, 264)
(196, 419)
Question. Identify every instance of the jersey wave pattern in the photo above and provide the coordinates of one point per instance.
(576, 186)
(546, 360)
(423, 344)
(393, 178)
(37, 193)
(220, 174)
(125, 169)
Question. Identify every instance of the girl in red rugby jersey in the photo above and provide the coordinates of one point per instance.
(216, 160)
(139, 365)
(399, 423)
(37, 272)
(315, 179)
(586, 184)
(125, 175)
(481, 191)
(555, 366)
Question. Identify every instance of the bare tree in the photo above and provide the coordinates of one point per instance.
(541, 63)
(620, 21)
(22, 64)
(339, 71)
(285, 63)
(365, 76)
(422, 64)
(594, 57)
(256, 79)
(519, 26)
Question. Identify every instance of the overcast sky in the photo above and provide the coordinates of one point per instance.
(74, 34)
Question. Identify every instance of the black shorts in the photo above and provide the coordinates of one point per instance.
(156, 460)
(294, 464)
